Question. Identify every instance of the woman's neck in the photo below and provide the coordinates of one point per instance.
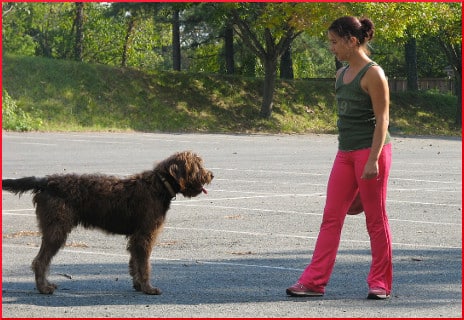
(359, 59)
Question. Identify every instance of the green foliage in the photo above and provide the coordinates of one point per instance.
(315, 63)
(204, 58)
(42, 28)
(14, 118)
(396, 20)
(147, 41)
(103, 40)
(16, 27)
(431, 60)
(46, 29)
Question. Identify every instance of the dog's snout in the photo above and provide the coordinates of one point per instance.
(210, 176)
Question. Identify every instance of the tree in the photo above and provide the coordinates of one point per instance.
(443, 20)
(15, 29)
(174, 12)
(410, 50)
(268, 39)
(176, 57)
(132, 12)
(43, 27)
(79, 25)
(229, 49)
(205, 25)
(450, 39)
(268, 29)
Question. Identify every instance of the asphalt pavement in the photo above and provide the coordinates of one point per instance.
(234, 251)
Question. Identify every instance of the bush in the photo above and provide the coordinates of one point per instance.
(13, 118)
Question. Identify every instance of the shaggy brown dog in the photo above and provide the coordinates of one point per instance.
(135, 206)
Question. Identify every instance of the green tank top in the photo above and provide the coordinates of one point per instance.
(356, 120)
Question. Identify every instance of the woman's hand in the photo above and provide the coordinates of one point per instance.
(371, 170)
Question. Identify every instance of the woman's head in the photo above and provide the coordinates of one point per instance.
(348, 27)
(348, 35)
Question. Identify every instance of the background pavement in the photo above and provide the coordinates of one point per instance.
(233, 252)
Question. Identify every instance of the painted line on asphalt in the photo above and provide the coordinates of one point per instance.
(17, 212)
(314, 214)
(280, 235)
(308, 237)
(196, 261)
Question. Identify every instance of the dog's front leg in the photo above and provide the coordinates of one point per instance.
(140, 247)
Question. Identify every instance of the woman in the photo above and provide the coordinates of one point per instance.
(362, 162)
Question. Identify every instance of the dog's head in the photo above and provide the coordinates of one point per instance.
(187, 169)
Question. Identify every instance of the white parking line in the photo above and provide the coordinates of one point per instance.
(17, 212)
(281, 235)
(196, 261)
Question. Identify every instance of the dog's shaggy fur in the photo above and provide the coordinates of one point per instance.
(135, 207)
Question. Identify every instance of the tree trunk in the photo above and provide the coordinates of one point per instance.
(229, 49)
(270, 75)
(410, 50)
(176, 59)
(286, 64)
(454, 53)
(126, 45)
(458, 120)
(79, 22)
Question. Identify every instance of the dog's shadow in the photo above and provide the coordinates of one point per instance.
(244, 280)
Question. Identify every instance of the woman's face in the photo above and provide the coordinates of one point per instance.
(339, 46)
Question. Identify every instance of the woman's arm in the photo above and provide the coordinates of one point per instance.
(376, 85)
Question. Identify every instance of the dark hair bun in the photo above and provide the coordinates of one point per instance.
(367, 28)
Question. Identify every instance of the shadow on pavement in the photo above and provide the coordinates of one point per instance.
(421, 278)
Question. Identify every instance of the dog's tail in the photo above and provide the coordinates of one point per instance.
(22, 185)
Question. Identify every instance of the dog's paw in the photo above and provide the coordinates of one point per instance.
(47, 289)
(147, 289)
(151, 290)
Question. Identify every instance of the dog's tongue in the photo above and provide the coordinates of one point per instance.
(204, 190)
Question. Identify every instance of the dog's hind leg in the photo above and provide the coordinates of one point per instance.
(54, 235)
(140, 246)
(41, 264)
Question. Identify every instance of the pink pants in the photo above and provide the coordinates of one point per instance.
(344, 181)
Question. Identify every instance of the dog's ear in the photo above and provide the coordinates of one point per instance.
(177, 173)
(174, 171)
